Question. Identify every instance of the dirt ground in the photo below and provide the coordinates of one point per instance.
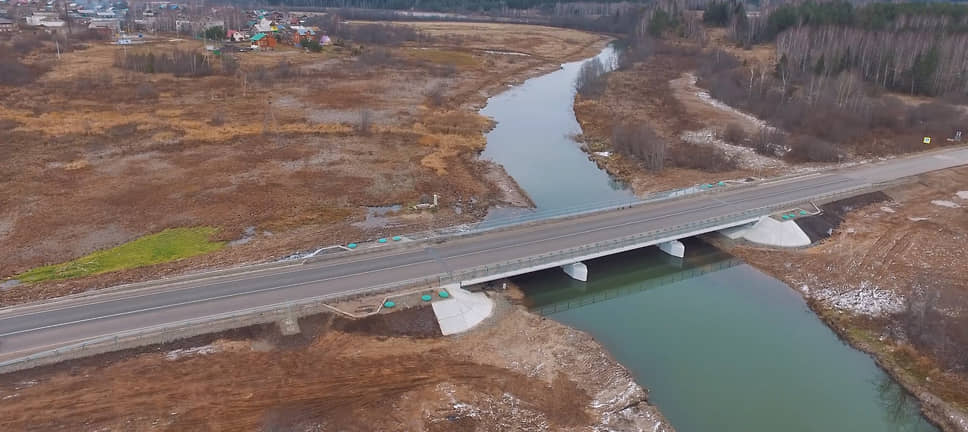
(274, 155)
(518, 371)
(862, 280)
(656, 92)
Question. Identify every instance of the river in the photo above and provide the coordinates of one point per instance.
(720, 345)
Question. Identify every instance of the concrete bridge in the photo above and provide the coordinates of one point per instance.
(470, 258)
(593, 297)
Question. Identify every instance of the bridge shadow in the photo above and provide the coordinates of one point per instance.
(551, 291)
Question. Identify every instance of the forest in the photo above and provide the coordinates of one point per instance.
(914, 48)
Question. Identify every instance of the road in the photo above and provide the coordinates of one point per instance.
(30, 328)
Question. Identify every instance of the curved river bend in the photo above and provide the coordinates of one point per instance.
(721, 346)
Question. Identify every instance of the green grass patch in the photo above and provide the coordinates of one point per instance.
(168, 245)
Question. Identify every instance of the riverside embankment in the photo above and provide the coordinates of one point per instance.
(728, 349)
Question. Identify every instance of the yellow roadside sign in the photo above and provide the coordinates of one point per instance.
(927, 140)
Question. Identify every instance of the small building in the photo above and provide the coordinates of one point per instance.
(302, 34)
(107, 27)
(263, 41)
(264, 26)
(7, 25)
(236, 35)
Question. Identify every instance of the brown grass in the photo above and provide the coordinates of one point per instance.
(91, 166)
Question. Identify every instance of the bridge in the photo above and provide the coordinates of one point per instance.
(465, 259)
(625, 289)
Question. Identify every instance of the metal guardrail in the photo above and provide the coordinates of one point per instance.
(211, 324)
(270, 313)
(677, 231)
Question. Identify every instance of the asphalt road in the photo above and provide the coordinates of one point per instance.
(30, 328)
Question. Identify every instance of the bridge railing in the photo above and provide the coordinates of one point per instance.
(271, 313)
(650, 237)
(169, 332)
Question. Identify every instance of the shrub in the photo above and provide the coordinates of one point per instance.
(146, 91)
(218, 118)
(436, 95)
(591, 79)
(14, 73)
(701, 157)
(769, 142)
(807, 148)
(312, 45)
(365, 124)
(230, 64)
(375, 57)
(642, 143)
(735, 134)
(24, 46)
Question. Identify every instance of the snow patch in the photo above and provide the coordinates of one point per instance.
(945, 203)
(867, 299)
(748, 157)
(962, 194)
(511, 53)
(917, 219)
(887, 210)
(188, 352)
(707, 98)
(603, 154)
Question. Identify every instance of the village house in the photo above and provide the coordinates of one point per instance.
(7, 25)
(236, 35)
(105, 27)
(47, 20)
(263, 41)
(264, 26)
(302, 34)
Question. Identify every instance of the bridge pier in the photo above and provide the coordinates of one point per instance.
(674, 248)
(578, 271)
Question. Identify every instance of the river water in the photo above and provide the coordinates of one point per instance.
(533, 140)
(721, 346)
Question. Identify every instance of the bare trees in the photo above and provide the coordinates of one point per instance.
(642, 143)
(936, 319)
(841, 111)
(591, 80)
(917, 62)
(178, 62)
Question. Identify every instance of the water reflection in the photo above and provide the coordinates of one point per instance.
(723, 347)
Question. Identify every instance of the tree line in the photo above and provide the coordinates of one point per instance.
(438, 5)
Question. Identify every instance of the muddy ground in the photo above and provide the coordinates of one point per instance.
(518, 371)
(277, 155)
(891, 280)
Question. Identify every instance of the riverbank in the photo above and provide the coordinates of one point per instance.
(517, 371)
(290, 153)
(890, 280)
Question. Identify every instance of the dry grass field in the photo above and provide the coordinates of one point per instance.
(286, 153)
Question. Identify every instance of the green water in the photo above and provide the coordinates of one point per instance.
(723, 347)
